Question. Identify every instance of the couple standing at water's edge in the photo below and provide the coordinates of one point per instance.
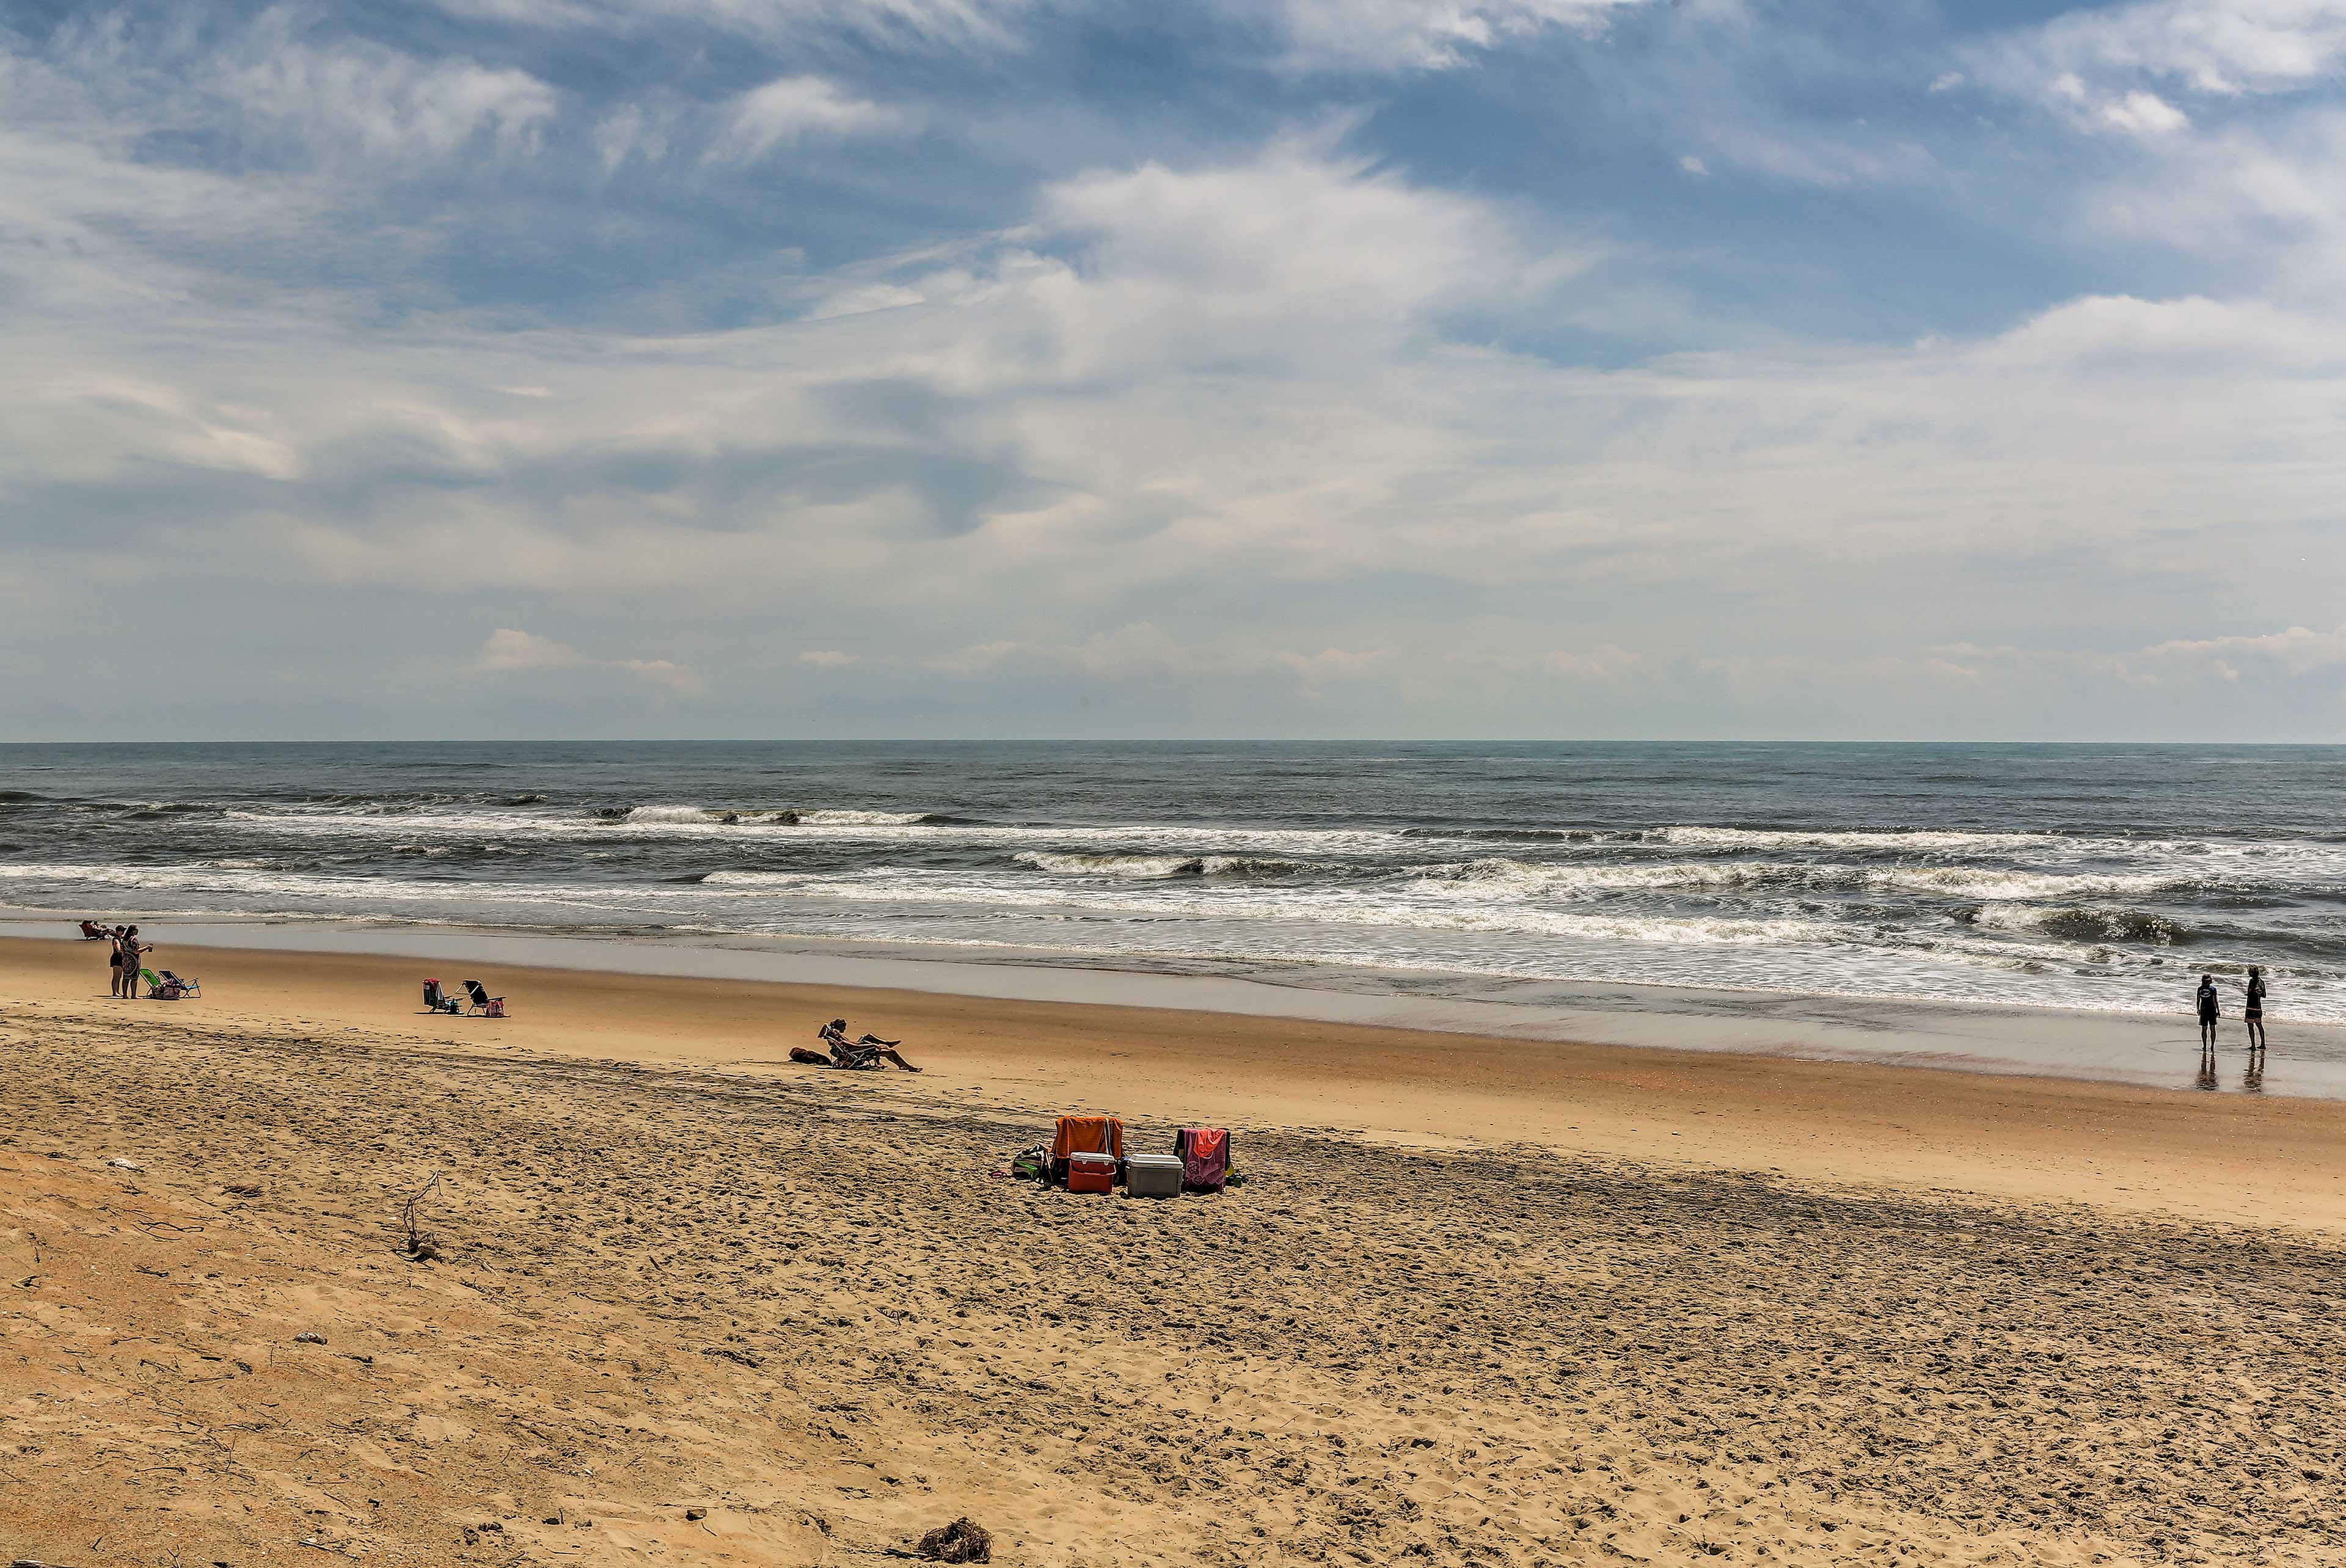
(2252, 1012)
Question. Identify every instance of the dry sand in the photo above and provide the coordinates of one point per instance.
(1483, 1302)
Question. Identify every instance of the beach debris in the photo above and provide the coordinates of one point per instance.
(122, 1165)
(420, 1246)
(309, 1337)
(691, 1514)
(960, 1541)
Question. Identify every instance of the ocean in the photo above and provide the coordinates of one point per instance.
(2093, 876)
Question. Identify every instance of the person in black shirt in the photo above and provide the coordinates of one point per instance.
(2207, 1012)
(2253, 1012)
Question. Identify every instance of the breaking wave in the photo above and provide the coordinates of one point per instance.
(1153, 866)
(2087, 924)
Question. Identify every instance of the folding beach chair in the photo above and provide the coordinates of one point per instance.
(438, 1001)
(1086, 1136)
(166, 986)
(483, 1005)
(1205, 1158)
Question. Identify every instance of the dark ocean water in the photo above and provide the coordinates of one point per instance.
(2091, 876)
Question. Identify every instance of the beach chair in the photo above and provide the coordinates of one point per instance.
(438, 1001)
(166, 986)
(188, 984)
(1205, 1158)
(1094, 1136)
(483, 1005)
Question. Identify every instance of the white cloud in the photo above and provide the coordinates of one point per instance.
(507, 650)
(2214, 47)
(826, 659)
(2144, 114)
(2295, 652)
(1386, 36)
(791, 109)
(384, 105)
(1695, 167)
(928, 24)
(280, 86)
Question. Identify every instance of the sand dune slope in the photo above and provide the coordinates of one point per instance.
(690, 1316)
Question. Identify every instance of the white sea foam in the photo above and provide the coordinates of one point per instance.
(1147, 867)
(1504, 878)
(1918, 841)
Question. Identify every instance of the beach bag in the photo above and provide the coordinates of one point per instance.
(1205, 1158)
(1031, 1164)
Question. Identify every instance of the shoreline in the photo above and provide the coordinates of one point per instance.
(2308, 1060)
(2261, 1160)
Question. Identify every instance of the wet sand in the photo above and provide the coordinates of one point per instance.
(2153, 1051)
(1484, 1299)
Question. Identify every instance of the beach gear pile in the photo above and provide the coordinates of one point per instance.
(1087, 1154)
(169, 987)
(482, 1004)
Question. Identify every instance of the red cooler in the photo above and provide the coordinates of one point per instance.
(1091, 1173)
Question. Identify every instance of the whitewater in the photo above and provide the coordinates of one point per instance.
(2089, 877)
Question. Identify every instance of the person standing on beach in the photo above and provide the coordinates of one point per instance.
(114, 959)
(131, 949)
(2252, 1013)
(2207, 1012)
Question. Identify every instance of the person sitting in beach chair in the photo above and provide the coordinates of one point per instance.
(93, 932)
(483, 1005)
(860, 1055)
(438, 1001)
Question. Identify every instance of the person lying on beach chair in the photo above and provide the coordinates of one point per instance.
(862, 1055)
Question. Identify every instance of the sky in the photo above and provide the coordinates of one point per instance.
(1235, 368)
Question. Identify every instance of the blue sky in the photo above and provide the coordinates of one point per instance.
(1069, 367)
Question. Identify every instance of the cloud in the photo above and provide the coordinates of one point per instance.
(2293, 653)
(1387, 35)
(905, 24)
(826, 659)
(2144, 114)
(507, 650)
(791, 109)
(2209, 46)
(285, 91)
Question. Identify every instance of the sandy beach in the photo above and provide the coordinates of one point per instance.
(1482, 1299)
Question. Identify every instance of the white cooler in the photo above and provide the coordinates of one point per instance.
(1153, 1176)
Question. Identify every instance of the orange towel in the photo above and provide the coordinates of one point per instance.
(1088, 1135)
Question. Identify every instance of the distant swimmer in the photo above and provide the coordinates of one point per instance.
(2253, 1012)
(2209, 1012)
